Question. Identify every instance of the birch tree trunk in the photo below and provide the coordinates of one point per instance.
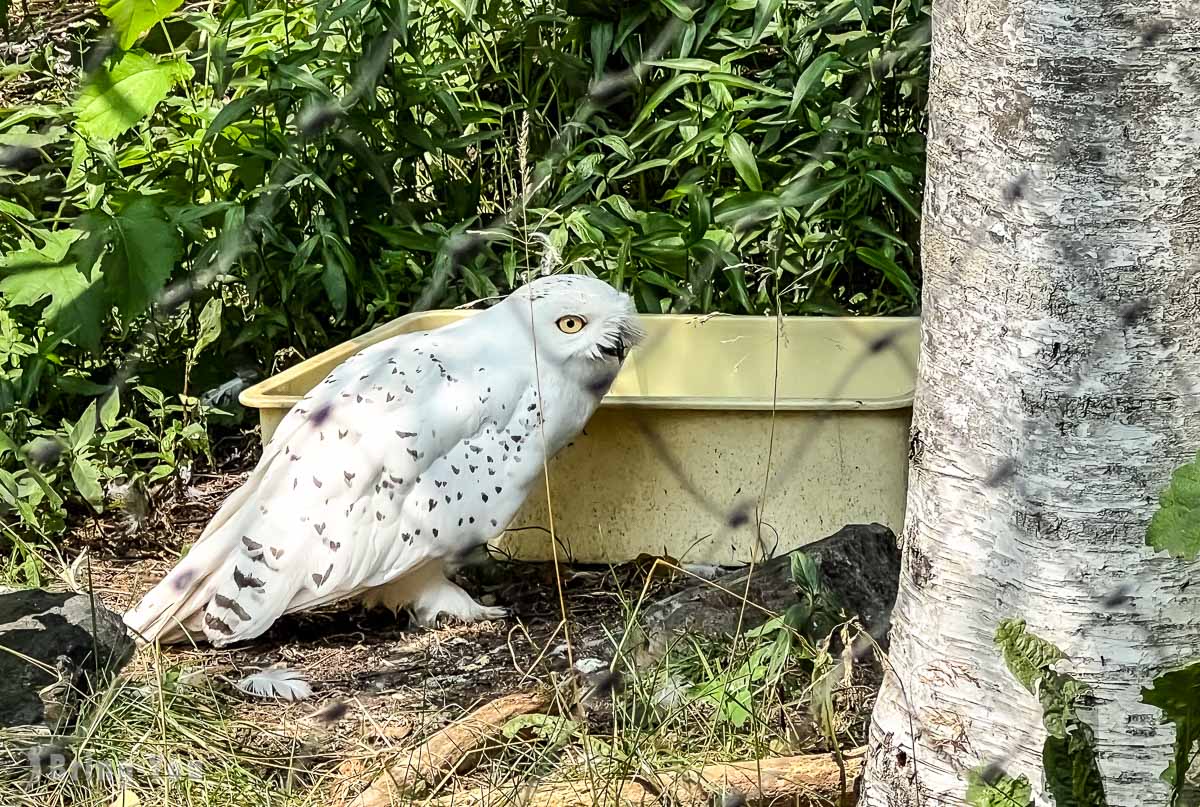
(1057, 392)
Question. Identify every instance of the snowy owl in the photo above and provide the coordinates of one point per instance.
(408, 455)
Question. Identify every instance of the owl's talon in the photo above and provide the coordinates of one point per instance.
(494, 613)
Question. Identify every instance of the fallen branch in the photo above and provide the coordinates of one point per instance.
(454, 749)
(813, 780)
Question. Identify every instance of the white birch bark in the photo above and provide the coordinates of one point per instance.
(1057, 390)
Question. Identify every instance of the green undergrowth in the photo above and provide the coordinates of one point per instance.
(323, 167)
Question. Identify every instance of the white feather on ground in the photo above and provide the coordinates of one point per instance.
(281, 683)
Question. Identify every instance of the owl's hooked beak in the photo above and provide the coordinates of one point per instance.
(617, 351)
(628, 335)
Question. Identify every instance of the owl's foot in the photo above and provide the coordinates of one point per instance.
(439, 598)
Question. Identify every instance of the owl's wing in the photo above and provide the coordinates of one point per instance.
(344, 497)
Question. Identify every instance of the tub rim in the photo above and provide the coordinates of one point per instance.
(263, 395)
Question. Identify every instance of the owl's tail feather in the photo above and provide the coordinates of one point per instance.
(167, 611)
(173, 611)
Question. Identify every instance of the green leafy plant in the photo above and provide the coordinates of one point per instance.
(1177, 694)
(802, 633)
(1175, 527)
(770, 159)
(1069, 751)
(989, 788)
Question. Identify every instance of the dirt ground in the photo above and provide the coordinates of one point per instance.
(393, 674)
(60, 30)
(391, 684)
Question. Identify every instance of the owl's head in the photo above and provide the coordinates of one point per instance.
(577, 318)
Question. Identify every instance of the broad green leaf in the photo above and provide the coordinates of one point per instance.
(637, 168)
(1059, 694)
(161, 471)
(210, 325)
(764, 13)
(601, 43)
(814, 120)
(464, 8)
(116, 435)
(1175, 527)
(1177, 694)
(1072, 774)
(21, 137)
(741, 82)
(742, 208)
(737, 281)
(112, 102)
(447, 103)
(78, 170)
(154, 396)
(110, 408)
(665, 90)
(132, 18)
(15, 210)
(694, 65)
(628, 22)
(86, 477)
(699, 214)
(617, 145)
(32, 274)
(891, 270)
(998, 790)
(680, 9)
(888, 181)
(1027, 656)
(333, 278)
(870, 225)
(233, 112)
(660, 280)
(84, 428)
(144, 248)
(810, 78)
(805, 572)
(742, 157)
(1069, 751)
(866, 10)
(835, 14)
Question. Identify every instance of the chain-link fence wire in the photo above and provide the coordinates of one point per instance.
(1023, 187)
(311, 120)
(230, 244)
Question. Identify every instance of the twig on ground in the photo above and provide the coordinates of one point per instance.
(801, 781)
(453, 749)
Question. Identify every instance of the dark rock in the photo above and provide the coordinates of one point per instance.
(859, 564)
(55, 649)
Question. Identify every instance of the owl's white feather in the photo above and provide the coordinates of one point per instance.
(407, 455)
(282, 683)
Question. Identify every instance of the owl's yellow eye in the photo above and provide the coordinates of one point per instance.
(571, 323)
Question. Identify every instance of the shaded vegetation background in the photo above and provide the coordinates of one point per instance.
(132, 155)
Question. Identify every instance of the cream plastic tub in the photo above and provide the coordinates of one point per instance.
(675, 460)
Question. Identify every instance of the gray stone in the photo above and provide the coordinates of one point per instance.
(860, 566)
(55, 649)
